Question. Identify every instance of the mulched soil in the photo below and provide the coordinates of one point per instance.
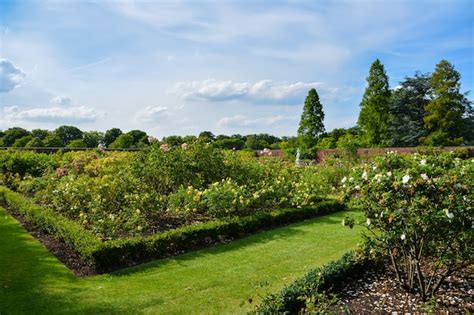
(379, 292)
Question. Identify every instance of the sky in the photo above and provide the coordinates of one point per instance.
(182, 67)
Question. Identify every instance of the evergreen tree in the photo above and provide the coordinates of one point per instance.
(311, 123)
(374, 113)
(407, 109)
(445, 111)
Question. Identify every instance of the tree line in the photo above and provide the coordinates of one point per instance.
(73, 137)
(425, 109)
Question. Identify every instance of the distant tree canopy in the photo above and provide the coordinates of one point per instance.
(111, 135)
(68, 134)
(125, 141)
(12, 134)
(425, 109)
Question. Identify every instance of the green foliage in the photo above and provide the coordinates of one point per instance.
(110, 135)
(117, 194)
(78, 143)
(374, 113)
(311, 124)
(53, 141)
(407, 110)
(21, 142)
(40, 133)
(229, 143)
(12, 134)
(206, 136)
(419, 209)
(19, 164)
(68, 133)
(93, 138)
(124, 141)
(138, 136)
(445, 111)
(349, 143)
(173, 141)
(35, 143)
(313, 287)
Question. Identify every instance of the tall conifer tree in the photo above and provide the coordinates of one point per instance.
(445, 111)
(374, 113)
(311, 123)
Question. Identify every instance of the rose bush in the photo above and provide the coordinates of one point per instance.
(117, 194)
(419, 210)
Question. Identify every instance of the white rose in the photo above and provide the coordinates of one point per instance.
(406, 179)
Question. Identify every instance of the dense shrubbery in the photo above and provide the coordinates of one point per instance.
(115, 194)
(420, 210)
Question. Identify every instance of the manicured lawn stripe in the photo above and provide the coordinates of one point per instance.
(214, 280)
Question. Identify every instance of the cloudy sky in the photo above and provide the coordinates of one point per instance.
(179, 67)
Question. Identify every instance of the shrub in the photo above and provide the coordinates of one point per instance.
(419, 210)
(15, 165)
(330, 278)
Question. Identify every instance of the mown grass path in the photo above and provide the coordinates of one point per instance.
(220, 279)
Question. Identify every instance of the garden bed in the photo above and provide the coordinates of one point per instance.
(361, 286)
(378, 291)
(72, 240)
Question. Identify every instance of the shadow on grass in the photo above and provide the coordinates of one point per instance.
(33, 281)
(259, 238)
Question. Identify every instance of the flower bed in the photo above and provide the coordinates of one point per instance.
(109, 255)
(118, 194)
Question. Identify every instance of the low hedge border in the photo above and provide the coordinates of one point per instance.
(68, 231)
(110, 255)
(329, 278)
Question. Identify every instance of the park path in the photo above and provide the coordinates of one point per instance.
(221, 279)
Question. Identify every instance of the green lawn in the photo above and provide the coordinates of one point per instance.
(215, 280)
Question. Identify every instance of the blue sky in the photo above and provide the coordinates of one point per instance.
(181, 67)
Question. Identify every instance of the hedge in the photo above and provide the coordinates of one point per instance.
(109, 255)
(329, 278)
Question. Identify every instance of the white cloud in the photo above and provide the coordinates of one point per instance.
(77, 114)
(262, 91)
(10, 76)
(238, 121)
(152, 114)
(61, 101)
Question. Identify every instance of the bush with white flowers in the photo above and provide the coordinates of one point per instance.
(419, 210)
